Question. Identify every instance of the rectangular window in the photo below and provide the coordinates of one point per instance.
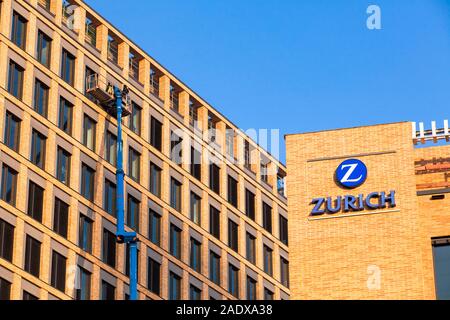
(267, 256)
(110, 198)
(26, 296)
(268, 295)
(214, 222)
(65, 116)
(283, 230)
(111, 148)
(284, 272)
(154, 276)
(5, 290)
(38, 148)
(196, 254)
(196, 164)
(58, 276)
(12, 131)
(9, 185)
(155, 179)
(87, 182)
(195, 293)
(61, 218)
(175, 194)
(196, 208)
(154, 227)
(175, 241)
(233, 280)
(229, 142)
(133, 212)
(267, 217)
(84, 290)
(441, 256)
(251, 288)
(32, 256)
(63, 166)
(214, 178)
(91, 32)
(109, 248)
(15, 80)
(134, 159)
(250, 204)
(108, 291)
(156, 133)
(154, 82)
(264, 171)
(89, 132)
(174, 287)
(233, 235)
(19, 30)
(41, 93)
(247, 157)
(176, 148)
(85, 233)
(135, 118)
(250, 248)
(35, 201)
(44, 45)
(232, 191)
(6, 240)
(68, 67)
(214, 267)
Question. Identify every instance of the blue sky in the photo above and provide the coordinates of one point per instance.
(299, 65)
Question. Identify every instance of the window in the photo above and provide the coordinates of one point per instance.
(38, 148)
(12, 131)
(63, 166)
(281, 185)
(267, 255)
(247, 158)
(35, 201)
(109, 248)
(134, 159)
(68, 67)
(58, 276)
(111, 148)
(84, 290)
(5, 289)
(85, 233)
(41, 93)
(214, 178)
(232, 191)
(196, 254)
(196, 163)
(174, 286)
(214, 267)
(214, 222)
(250, 204)
(155, 180)
(193, 114)
(90, 77)
(283, 230)
(154, 276)
(32, 256)
(229, 139)
(15, 80)
(134, 66)
(91, 32)
(195, 293)
(268, 295)
(44, 45)
(113, 50)
(154, 82)
(441, 256)
(284, 272)
(19, 30)
(233, 235)
(9, 185)
(176, 148)
(175, 194)
(156, 133)
(110, 198)
(26, 296)
(87, 182)
(250, 248)
(175, 241)
(233, 280)
(89, 132)
(61, 218)
(45, 3)
(108, 291)
(264, 170)
(267, 217)
(251, 288)
(133, 213)
(65, 116)
(6, 240)
(135, 118)
(154, 227)
(196, 208)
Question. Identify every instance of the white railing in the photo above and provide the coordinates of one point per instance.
(422, 135)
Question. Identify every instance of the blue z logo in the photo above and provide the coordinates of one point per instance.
(351, 173)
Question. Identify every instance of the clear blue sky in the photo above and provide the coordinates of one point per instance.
(299, 65)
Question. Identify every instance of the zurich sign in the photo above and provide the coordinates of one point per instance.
(351, 173)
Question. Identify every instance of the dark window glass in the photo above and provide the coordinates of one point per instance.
(196, 208)
(89, 132)
(87, 182)
(6, 240)
(251, 289)
(233, 235)
(154, 276)
(284, 272)
(111, 148)
(214, 267)
(85, 233)
(196, 163)
(175, 194)
(196, 254)
(44, 44)
(32, 256)
(5, 289)
(232, 191)
(214, 222)
(68, 67)
(38, 148)
(267, 217)
(65, 116)
(268, 295)
(154, 227)
(84, 290)
(135, 118)
(175, 241)
(12, 131)
(174, 287)
(133, 213)
(26, 296)
(283, 230)
(214, 178)
(108, 291)
(251, 248)
(156, 133)
(195, 293)
(90, 77)
(58, 276)
(109, 248)
(250, 204)
(441, 255)
(9, 185)
(110, 197)
(41, 93)
(35, 201)
(19, 30)
(155, 179)
(233, 280)
(63, 166)
(61, 218)
(15, 79)
(176, 148)
(134, 159)
(267, 256)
